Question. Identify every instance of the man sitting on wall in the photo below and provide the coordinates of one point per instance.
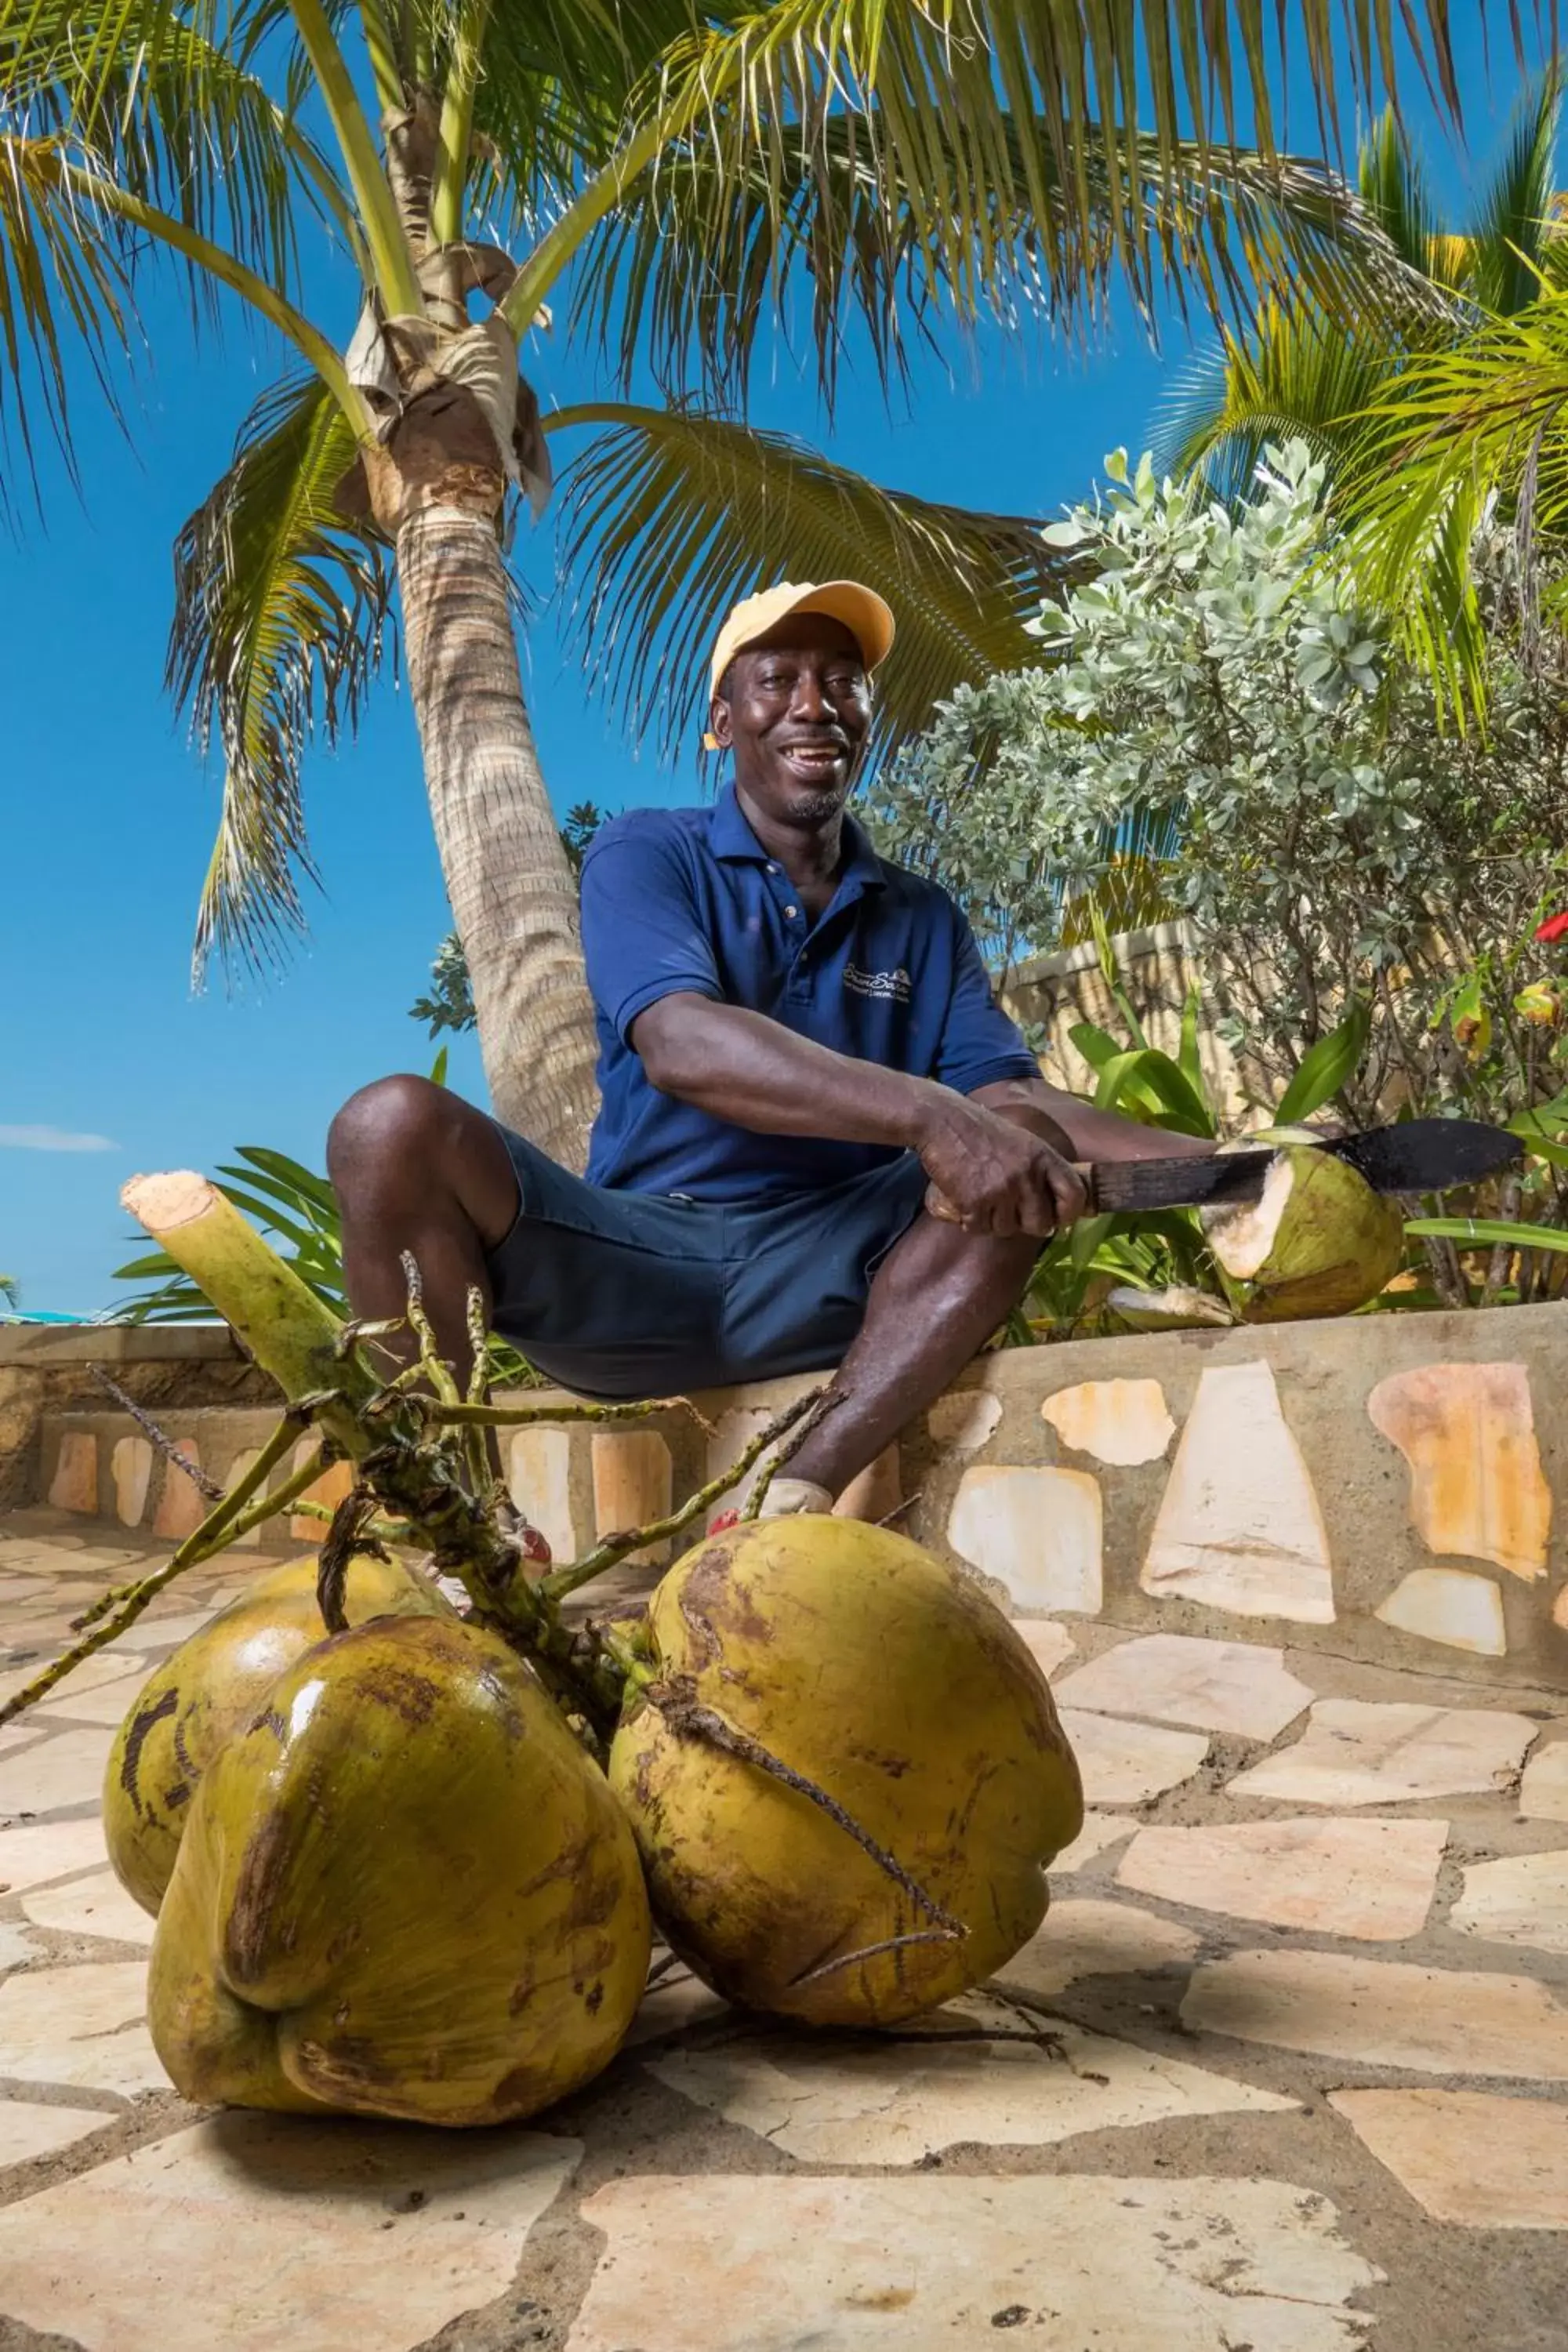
(821, 1140)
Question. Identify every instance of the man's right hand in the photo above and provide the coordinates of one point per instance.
(993, 1174)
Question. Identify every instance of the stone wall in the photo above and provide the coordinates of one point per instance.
(1388, 1487)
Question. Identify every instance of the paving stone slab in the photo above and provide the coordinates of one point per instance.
(1049, 1643)
(1383, 2013)
(894, 2102)
(1471, 2158)
(1370, 1879)
(1377, 1752)
(38, 1852)
(247, 2232)
(1521, 1900)
(1098, 1831)
(1543, 1792)
(79, 2026)
(946, 2264)
(1228, 1686)
(97, 1906)
(64, 1769)
(108, 1702)
(1127, 1763)
(1087, 1939)
(28, 2129)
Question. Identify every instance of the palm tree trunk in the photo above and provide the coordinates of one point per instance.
(513, 895)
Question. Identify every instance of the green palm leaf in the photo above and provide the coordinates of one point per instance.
(278, 629)
(65, 288)
(670, 516)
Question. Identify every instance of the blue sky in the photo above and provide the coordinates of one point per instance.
(108, 1063)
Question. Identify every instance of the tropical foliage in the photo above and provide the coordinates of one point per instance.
(1217, 683)
(1298, 371)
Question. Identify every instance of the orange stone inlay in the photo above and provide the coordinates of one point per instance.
(74, 1487)
(1476, 1487)
(332, 1487)
(182, 1506)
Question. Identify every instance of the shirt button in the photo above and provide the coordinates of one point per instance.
(772, 868)
(792, 913)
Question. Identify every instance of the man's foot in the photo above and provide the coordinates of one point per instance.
(785, 1498)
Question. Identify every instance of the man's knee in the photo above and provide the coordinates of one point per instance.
(393, 1128)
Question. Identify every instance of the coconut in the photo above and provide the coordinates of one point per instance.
(404, 1890)
(1319, 1241)
(887, 1684)
(215, 1682)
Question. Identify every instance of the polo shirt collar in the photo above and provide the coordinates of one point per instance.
(732, 839)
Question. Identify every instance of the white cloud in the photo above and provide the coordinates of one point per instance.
(52, 1139)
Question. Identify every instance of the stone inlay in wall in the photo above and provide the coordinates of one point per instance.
(853, 2263)
(130, 1467)
(240, 1467)
(1038, 1532)
(1387, 1752)
(874, 1492)
(1240, 1528)
(182, 1506)
(1521, 1899)
(1451, 1605)
(965, 1420)
(1370, 1879)
(1123, 1422)
(1384, 2013)
(1477, 2159)
(632, 1483)
(74, 1487)
(541, 1466)
(1476, 1487)
(331, 1488)
(1229, 1686)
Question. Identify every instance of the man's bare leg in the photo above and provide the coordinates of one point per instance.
(937, 1298)
(418, 1169)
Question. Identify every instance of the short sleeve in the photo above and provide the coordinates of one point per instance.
(642, 936)
(979, 1043)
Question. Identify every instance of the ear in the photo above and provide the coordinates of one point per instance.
(720, 735)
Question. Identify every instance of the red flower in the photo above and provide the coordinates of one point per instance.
(1553, 930)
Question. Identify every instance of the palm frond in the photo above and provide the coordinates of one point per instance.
(1037, 134)
(1516, 222)
(670, 515)
(277, 630)
(1395, 190)
(1300, 376)
(65, 289)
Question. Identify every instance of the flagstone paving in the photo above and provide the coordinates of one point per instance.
(1284, 2068)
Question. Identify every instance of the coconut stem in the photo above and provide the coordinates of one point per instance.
(689, 1719)
(165, 1444)
(871, 1951)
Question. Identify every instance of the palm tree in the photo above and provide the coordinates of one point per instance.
(683, 179)
(1299, 372)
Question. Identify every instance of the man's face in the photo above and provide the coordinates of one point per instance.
(796, 715)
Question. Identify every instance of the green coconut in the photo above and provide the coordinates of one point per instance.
(890, 1683)
(1318, 1241)
(404, 1890)
(215, 1682)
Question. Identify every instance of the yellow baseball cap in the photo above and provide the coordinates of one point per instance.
(864, 613)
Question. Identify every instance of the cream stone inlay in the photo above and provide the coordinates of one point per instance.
(1038, 1532)
(27, 2130)
(1049, 1643)
(1099, 1831)
(74, 1487)
(1451, 1605)
(633, 1477)
(130, 1467)
(1229, 1686)
(1240, 1528)
(1476, 1487)
(1521, 1899)
(64, 1769)
(79, 2026)
(97, 1906)
(41, 1852)
(912, 2264)
(1388, 1752)
(541, 1484)
(1543, 1792)
(1476, 2159)
(896, 2101)
(876, 1492)
(1384, 2013)
(249, 2231)
(1123, 1422)
(963, 1420)
(1370, 1879)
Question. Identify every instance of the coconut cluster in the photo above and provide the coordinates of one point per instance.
(389, 1880)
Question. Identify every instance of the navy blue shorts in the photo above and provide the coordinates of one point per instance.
(643, 1294)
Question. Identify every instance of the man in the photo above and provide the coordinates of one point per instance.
(821, 1141)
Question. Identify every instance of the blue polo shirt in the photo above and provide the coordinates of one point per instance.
(688, 901)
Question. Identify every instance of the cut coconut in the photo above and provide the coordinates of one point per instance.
(1319, 1241)
(1179, 1308)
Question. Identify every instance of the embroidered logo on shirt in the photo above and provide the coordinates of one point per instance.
(894, 986)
